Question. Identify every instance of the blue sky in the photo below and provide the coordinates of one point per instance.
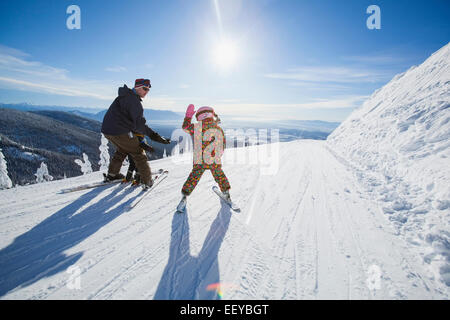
(262, 59)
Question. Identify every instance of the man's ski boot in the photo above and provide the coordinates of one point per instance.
(136, 180)
(148, 185)
(128, 177)
(110, 177)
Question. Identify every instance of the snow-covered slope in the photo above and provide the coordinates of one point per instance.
(308, 231)
(364, 215)
(398, 142)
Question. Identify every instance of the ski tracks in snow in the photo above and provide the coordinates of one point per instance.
(313, 235)
(308, 232)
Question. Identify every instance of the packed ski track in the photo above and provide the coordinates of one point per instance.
(309, 231)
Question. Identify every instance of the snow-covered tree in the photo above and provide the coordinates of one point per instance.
(104, 154)
(42, 174)
(85, 166)
(5, 181)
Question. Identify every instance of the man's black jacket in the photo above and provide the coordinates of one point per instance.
(127, 114)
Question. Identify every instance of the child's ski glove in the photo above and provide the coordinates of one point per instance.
(190, 111)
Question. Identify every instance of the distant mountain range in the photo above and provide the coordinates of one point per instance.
(54, 137)
(57, 135)
(29, 138)
(288, 129)
(93, 113)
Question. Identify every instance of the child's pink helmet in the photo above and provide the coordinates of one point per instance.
(205, 113)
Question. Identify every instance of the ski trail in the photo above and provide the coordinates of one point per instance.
(308, 232)
(320, 240)
(341, 244)
(373, 246)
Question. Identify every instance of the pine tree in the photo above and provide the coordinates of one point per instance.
(42, 174)
(104, 154)
(85, 166)
(5, 181)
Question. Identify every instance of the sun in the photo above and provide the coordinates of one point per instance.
(225, 55)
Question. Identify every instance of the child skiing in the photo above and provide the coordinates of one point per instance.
(208, 150)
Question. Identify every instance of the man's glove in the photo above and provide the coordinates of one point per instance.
(165, 140)
(146, 146)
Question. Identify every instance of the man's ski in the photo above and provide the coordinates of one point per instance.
(232, 205)
(90, 186)
(156, 180)
(99, 184)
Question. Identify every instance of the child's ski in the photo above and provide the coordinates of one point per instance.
(182, 205)
(232, 205)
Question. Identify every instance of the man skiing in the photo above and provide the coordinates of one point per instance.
(208, 122)
(136, 179)
(122, 125)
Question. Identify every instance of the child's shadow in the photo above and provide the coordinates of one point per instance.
(39, 252)
(186, 276)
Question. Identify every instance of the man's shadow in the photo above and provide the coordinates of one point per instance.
(187, 277)
(39, 252)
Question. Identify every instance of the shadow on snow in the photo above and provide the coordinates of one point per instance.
(39, 253)
(187, 276)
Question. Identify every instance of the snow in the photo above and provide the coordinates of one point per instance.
(5, 181)
(85, 164)
(306, 232)
(398, 145)
(364, 215)
(104, 153)
(29, 156)
(71, 149)
(42, 174)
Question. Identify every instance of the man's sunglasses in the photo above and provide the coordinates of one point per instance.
(146, 88)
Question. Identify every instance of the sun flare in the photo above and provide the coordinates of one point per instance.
(225, 55)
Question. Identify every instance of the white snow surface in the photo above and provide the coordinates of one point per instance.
(310, 231)
(398, 144)
(364, 215)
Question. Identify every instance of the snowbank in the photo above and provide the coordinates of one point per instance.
(399, 143)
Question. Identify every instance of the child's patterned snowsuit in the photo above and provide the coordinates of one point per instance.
(199, 164)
